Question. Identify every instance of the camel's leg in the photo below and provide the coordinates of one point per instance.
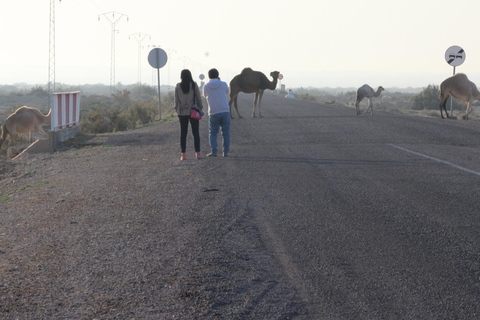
(13, 136)
(357, 104)
(236, 106)
(233, 100)
(40, 129)
(369, 106)
(260, 103)
(255, 104)
(469, 109)
(230, 105)
(443, 102)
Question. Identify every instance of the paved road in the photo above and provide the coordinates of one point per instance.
(367, 217)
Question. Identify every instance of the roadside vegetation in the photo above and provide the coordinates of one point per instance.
(128, 108)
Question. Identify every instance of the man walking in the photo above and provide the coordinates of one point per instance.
(216, 92)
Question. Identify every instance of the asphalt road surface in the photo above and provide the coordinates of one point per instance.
(368, 217)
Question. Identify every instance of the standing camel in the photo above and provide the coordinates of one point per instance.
(24, 119)
(459, 87)
(366, 91)
(250, 81)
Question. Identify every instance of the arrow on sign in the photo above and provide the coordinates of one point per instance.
(453, 57)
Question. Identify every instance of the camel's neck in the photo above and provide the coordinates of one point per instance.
(377, 93)
(48, 118)
(273, 84)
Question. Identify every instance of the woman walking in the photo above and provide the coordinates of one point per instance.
(187, 95)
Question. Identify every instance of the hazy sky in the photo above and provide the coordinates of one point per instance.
(341, 43)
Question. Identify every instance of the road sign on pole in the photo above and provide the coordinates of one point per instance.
(454, 56)
(157, 58)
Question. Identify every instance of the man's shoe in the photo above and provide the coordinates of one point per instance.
(212, 154)
(225, 154)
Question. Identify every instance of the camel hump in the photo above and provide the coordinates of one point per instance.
(22, 109)
(247, 71)
(457, 80)
(364, 88)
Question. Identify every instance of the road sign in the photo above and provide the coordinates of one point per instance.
(455, 56)
(202, 76)
(280, 76)
(157, 58)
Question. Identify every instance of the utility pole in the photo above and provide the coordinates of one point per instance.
(139, 37)
(110, 16)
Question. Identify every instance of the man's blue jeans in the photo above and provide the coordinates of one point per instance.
(217, 121)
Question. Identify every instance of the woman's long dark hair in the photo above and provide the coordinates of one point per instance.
(187, 79)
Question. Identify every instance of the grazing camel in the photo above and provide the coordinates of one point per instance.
(459, 87)
(250, 81)
(366, 91)
(24, 119)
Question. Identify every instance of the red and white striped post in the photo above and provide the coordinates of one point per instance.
(65, 110)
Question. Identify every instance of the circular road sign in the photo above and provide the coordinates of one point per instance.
(280, 76)
(202, 76)
(455, 56)
(157, 58)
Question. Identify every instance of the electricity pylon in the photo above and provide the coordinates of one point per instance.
(139, 37)
(51, 50)
(113, 21)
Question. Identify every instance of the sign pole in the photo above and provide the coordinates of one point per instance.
(157, 58)
(451, 98)
(159, 98)
(454, 56)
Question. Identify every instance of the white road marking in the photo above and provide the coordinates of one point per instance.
(437, 160)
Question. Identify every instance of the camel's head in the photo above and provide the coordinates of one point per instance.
(274, 74)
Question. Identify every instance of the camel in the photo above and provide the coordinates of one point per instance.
(250, 81)
(366, 91)
(459, 87)
(24, 119)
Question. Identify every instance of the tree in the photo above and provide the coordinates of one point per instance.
(428, 99)
(39, 92)
(122, 98)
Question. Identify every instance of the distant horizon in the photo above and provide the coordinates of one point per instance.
(292, 79)
(25, 85)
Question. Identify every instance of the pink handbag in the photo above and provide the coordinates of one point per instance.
(195, 113)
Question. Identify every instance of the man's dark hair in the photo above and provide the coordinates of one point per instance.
(213, 73)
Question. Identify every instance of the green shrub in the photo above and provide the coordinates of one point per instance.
(429, 99)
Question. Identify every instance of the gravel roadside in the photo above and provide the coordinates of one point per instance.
(118, 228)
